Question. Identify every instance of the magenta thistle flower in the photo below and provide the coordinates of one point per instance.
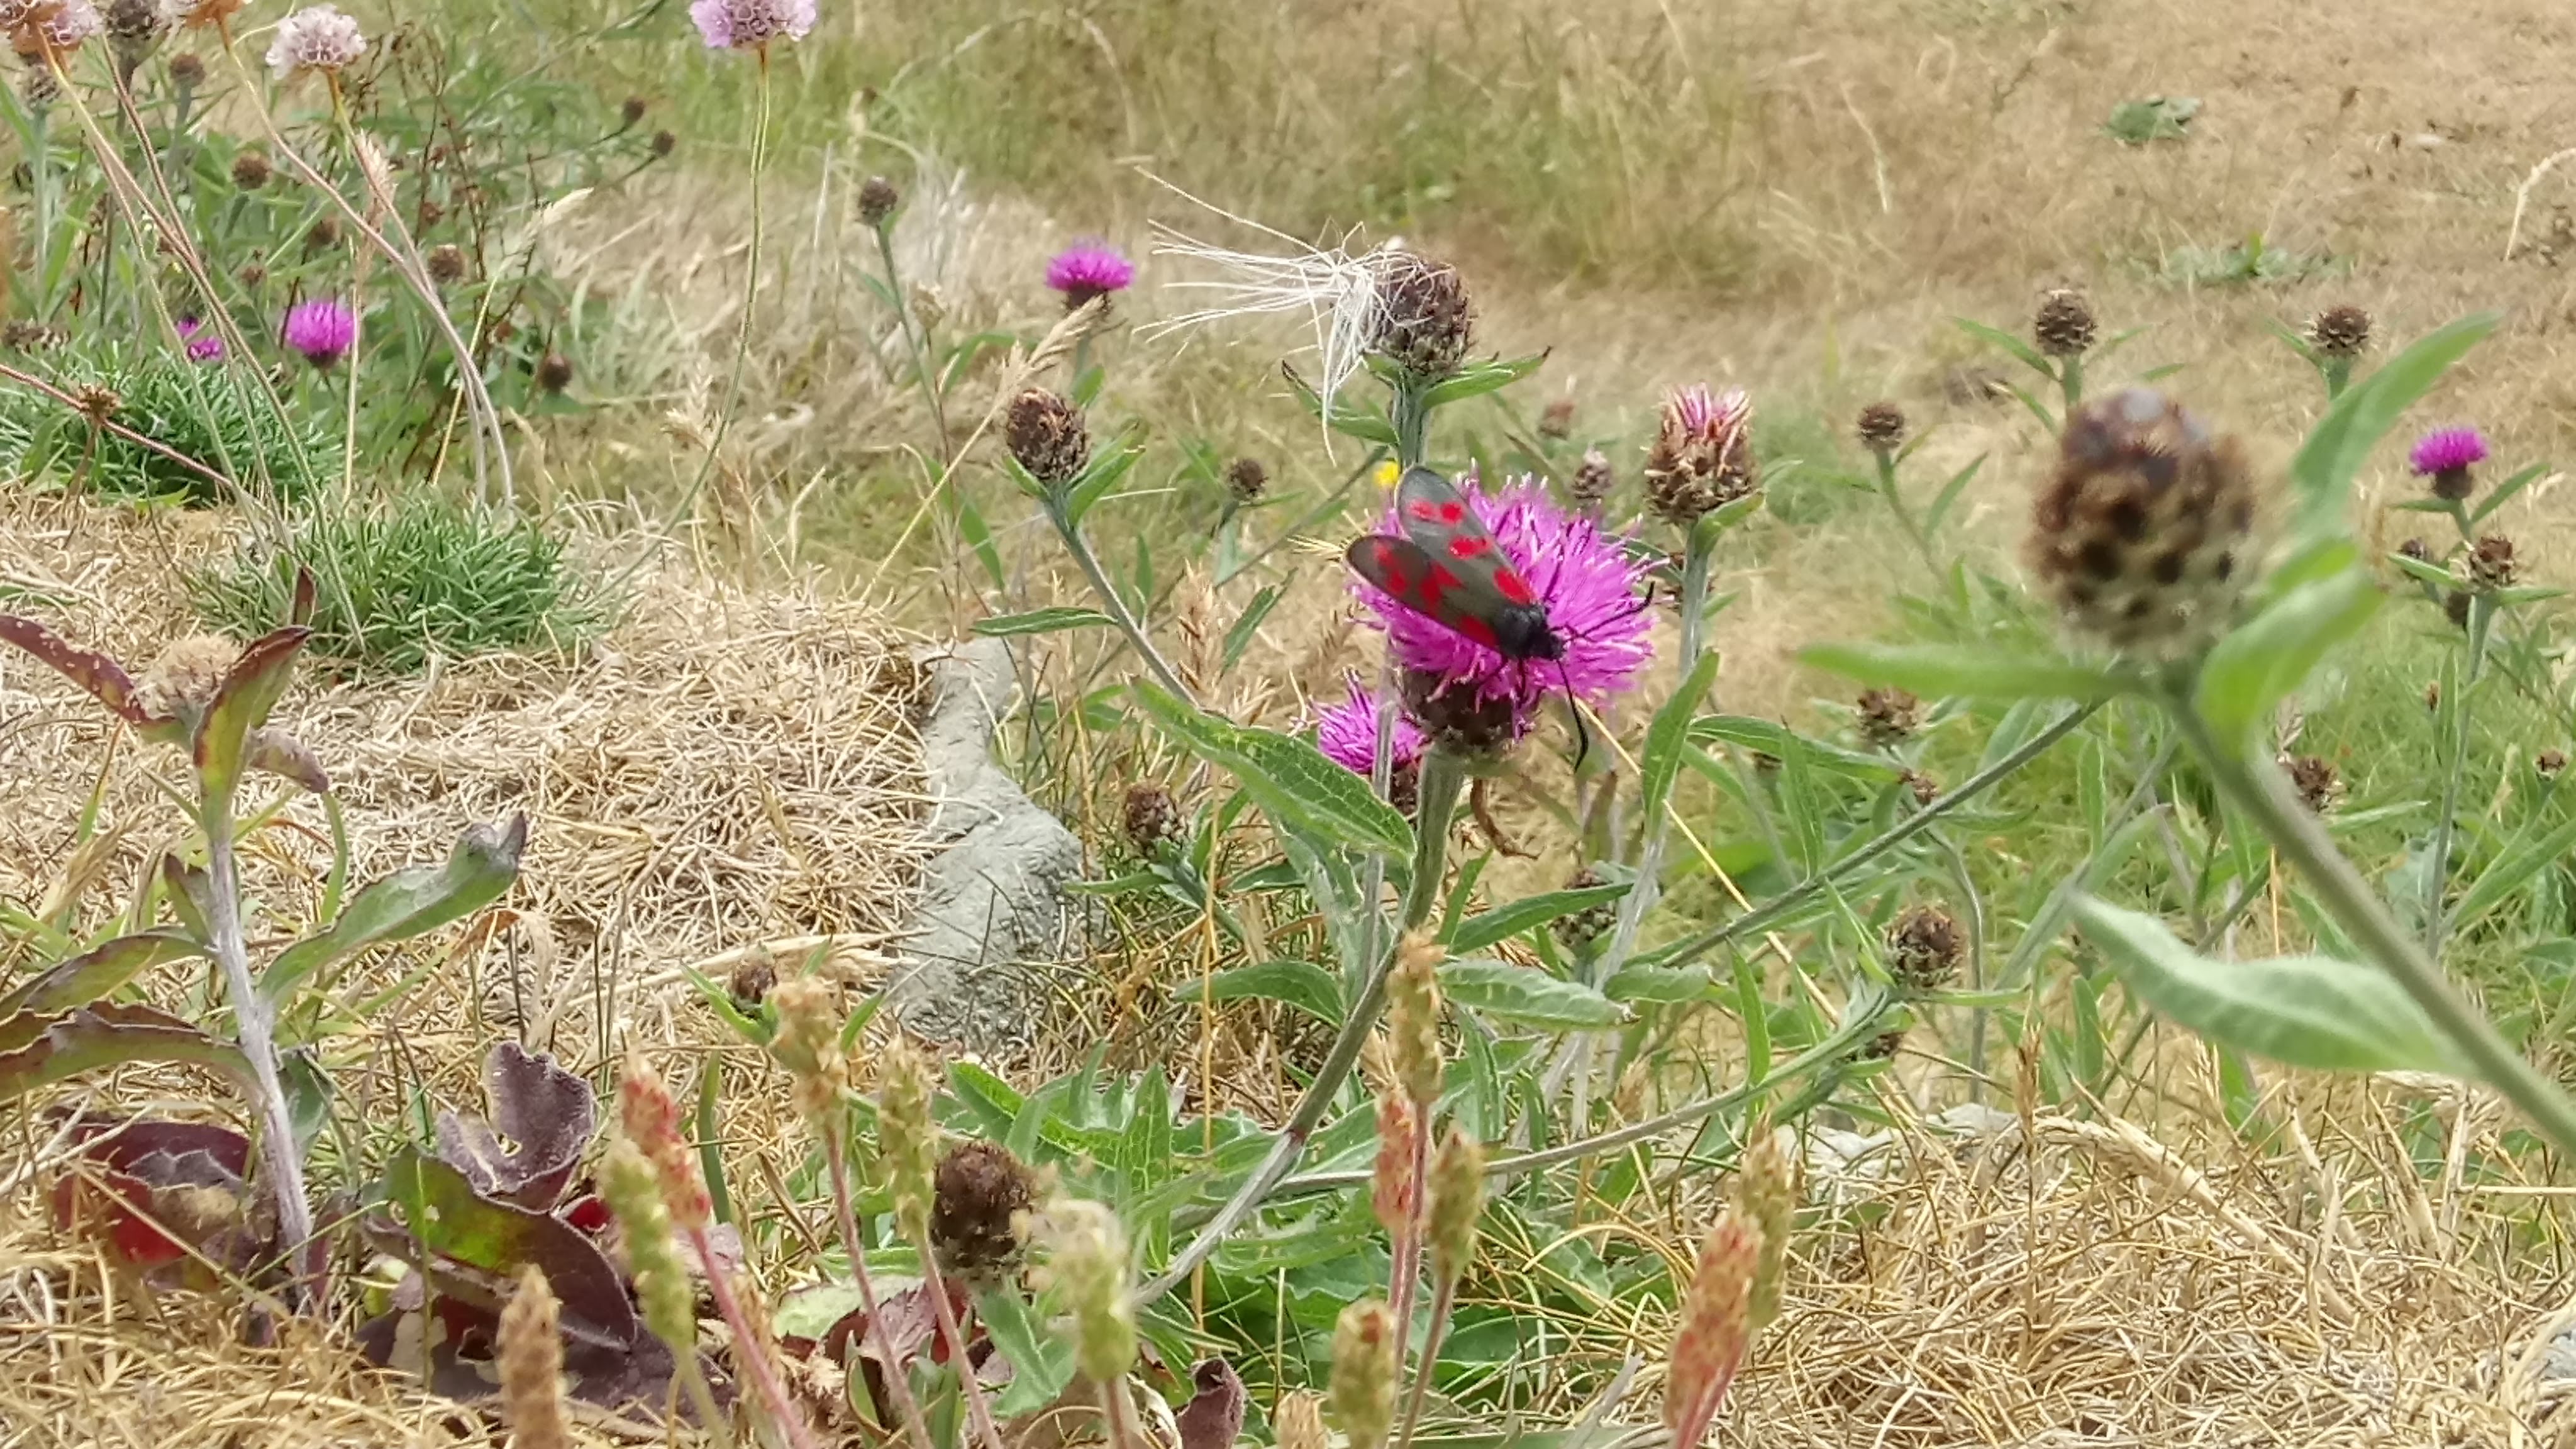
(1347, 734)
(1700, 416)
(200, 340)
(1089, 269)
(1586, 581)
(2445, 455)
(751, 24)
(323, 330)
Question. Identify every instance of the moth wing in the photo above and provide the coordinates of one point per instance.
(1436, 517)
(1465, 601)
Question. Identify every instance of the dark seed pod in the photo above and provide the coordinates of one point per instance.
(1882, 427)
(446, 264)
(2549, 763)
(1889, 716)
(2340, 331)
(1884, 1046)
(187, 72)
(1924, 948)
(554, 372)
(878, 200)
(2319, 784)
(664, 143)
(251, 171)
(1425, 320)
(753, 978)
(978, 1203)
(1246, 480)
(2064, 325)
(2142, 532)
(1581, 930)
(632, 111)
(324, 234)
(1046, 435)
(2455, 607)
(1592, 481)
(2491, 563)
(1151, 818)
(1459, 719)
(1925, 788)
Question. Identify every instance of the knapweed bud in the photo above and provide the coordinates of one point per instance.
(2316, 779)
(182, 682)
(446, 264)
(1702, 456)
(1424, 320)
(1457, 1203)
(651, 1119)
(2416, 549)
(97, 402)
(1885, 1045)
(2455, 607)
(2444, 458)
(554, 373)
(251, 171)
(2340, 331)
(1046, 436)
(878, 201)
(1882, 427)
(1716, 1326)
(1590, 487)
(252, 274)
(1924, 947)
(2142, 532)
(632, 111)
(982, 1194)
(1246, 480)
(1299, 1421)
(907, 1135)
(1925, 788)
(664, 143)
(1889, 717)
(323, 234)
(2064, 325)
(1413, 1017)
(2491, 563)
(1364, 1368)
(632, 1190)
(1395, 1189)
(1766, 1195)
(2549, 763)
(808, 1045)
(531, 1361)
(752, 979)
(1456, 717)
(1557, 421)
(187, 72)
(1087, 1270)
(1579, 931)
(1151, 818)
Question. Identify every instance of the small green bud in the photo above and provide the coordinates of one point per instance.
(1363, 1393)
(1457, 1201)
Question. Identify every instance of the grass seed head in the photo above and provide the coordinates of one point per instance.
(808, 1045)
(1364, 1372)
(1716, 1326)
(1457, 1203)
(1766, 1194)
(1299, 1421)
(2144, 531)
(907, 1135)
(1087, 1269)
(651, 1119)
(531, 1363)
(630, 1186)
(1413, 1017)
(1395, 1190)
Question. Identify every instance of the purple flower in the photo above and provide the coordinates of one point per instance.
(2445, 455)
(751, 24)
(323, 330)
(202, 343)
(1700, 416)
(1089, 269)
(1347, 734)
(1586, 581)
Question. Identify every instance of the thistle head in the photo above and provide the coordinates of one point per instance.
(981, 1201)
(2144, 531)
(2063, 326)
(1881, 428)
(879, 199)
(2319, 784)
(1924, 948)
(1046, 436)
(1889, 717)
(751, 24)
(1151, 818)
(2444, 457)
(2340, 332)
(2491, 563)
(322, 330)
(1423, 320)
(1088, 271)
(1246, 480)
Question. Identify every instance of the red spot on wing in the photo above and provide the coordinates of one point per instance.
(1436, 583)
(1424, 509)
(1452, 511)
(1513, 586)
(1468, 545)
(1474, 628)
(1391, 572)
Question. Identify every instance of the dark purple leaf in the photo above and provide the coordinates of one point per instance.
(542, 1119)
(105, 680)
(1213, 1418)
(472, 1247)
(300, 609)
(252, 688)
(457, 1341)
(96, 972)
(167, 1193)
(48, 1050)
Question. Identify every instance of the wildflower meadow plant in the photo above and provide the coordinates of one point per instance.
(320, 331)
(1087, 271)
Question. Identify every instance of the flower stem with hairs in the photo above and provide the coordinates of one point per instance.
(2455, 704)
(916, 335)
(256, 1025)
(836, 1158)
(1070, 531)
(750, 294)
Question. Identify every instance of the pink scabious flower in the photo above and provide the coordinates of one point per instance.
(751, 24)
(1586, 581)
(1088, 269)
(202, 343)
(1347, 734)
(68, 24)
(323, 330)
(315, 38)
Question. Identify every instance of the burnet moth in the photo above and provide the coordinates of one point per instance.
(1446, 567)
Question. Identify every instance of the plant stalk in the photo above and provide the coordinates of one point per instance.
(977, 1410)
(748, 1351)
(1444, 1298)
(2481, 614)
(257, 1029)
(917, 345)
(1116, 606)
(898, 1382)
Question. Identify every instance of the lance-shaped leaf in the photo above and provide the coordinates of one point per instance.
(1531, 997)
(252, 688)
(96, 972)
(542, 1118)
(471, 1247)
(105, 680)
(1301, 984)
(1487, 928)
(63, 1047)
(281, 754)
(190, 894)
(410, 902)
(1289, 777)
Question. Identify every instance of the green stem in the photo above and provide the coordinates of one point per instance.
(1443, 776)
(750, 297)
(748, 1355)
(1444, 1299)
(2456, 704)
(898, 1375)
(1905, 519)
(2258, 788)
(2070, 382)
(1116, 606)
(915, 344)
(252, 1021)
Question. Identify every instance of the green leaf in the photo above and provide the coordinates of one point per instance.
(1301, 984)
(1106, 468)
(2336, 449)
(473, 1247)
(1662, 762)
(42, 1051)
(1513, 917)
(1041, 621)
(2302, 1011)
(1947, 670)
(1527, 996)
(1477, 379)
(979, 537)
(1668, 985)
(2028, 354)
(411, 902)
(2262, 661)
(251, 689)
(1239, 636)
(97, 972)
(2503, 492)
(1041, 1362)
(2517, 864)
(1290, 778)
(1949, 494)
(2425, 571)
(1348, 418)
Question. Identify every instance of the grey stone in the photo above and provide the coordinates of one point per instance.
(994, 911)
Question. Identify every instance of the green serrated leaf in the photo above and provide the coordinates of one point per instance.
(1289, 777)
(1528, 997)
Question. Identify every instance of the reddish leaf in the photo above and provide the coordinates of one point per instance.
(457, 1343)
(911, 1330)
(104, 678)
(300, 610)
(542, 1119)
(1213, 1418)
(257, 680)
(108, 1035)
(472, 1247)
(164, 1193)
(99, 971)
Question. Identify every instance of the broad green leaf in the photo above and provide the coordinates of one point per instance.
(1041, 1362)
(1663, 984)
(1041, 621)
(2302, 1011)
(2028, 354)
(2336, 449)
(2425, 571)
(2262, 661)
(1289, 777)
(96, 972)
(2517, 864)
(1301, 984)
(252, 688)
(1938, 671)
(1528, 997)
(472, 1247)
(1477, 379)
(409, 903)
(1239, 635)
(1107, 467)
(42, 1051)
(1513, 917)
(1662, 762)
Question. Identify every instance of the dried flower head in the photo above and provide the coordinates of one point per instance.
(1150, 817)
(2319, 784)
(879, 199)
(1347, 734)
(2340, 331)
(97, 402)
(554, 373)
(1457, 1202)
(628, 1184)
(2445, 456)
(2142, 531)
(1088, 1271)
(187, 72)
(446, 264)
(2416, 549)
(62, 27)
(751, 24)
(134, 21)
(1413, 1017)
(982, 1197)
(664, 143)
(182, 682)
(1882, 427)
(907, 1134)
(322, 330)
(1088, 270)
(1045, 434)
(1590, 487)
(1716, 1326)
(1580, 931)
(1925, 788)
(1395, 1189)
(1884, 1046)
(198, 14)
(2455, 607)
(1889, 717)
(808, 1045)
(1424, 319)
(1702, 456)
(1364, 1372)
(1459, 719)
(1557, 420)
(1766, 1195)
(2064, 325)
(2549, 763)
(1924, 948)
(2491, 563)
(1246, 480)
(753, 978)
(317, 38)
(1299, 1420)
(251, 170)
(531, 1362)
(650, 1118)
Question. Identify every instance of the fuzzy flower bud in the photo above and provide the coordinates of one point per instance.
(1889, 717)
(1413, 1018)
(878, 201)
(1923, 949)
(1046, 436)
(1557, 421)
(1457, 1202)
(2549, 763)
(1766, 1197)
(554, 373)
(1364, 1371)
(446, 264)
(187, 72)
(1716, 1326)
(1882, 427)
(808, 1045)
(1246, 480)
(182, 682)
(531, 1359)
(2064, 325)
(1151, 819)
(628, 1184)
(1702, 456)
(1088, 1271)
(251, 171)
(1425, 322)
(664, 143)
(651, 1119)
(1590, 487)
(1299, 1421)
(2142, 533)
(983, 1191)
(907, 1135)
(2340, 331)
(1395, 1191)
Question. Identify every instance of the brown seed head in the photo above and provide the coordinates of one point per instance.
(878, 200)
(1425, 321)
(752, 978)
(1046, 435)
(2491, 563)
(631, 112)
(554, 373)
(1246, 480)
(252, 274)
(664, 143)
(187, 72)
(531, 1361)
(2142, 533)
(446, 264)
(1151, 818)
(2340, 331)
(2549, 763)
(323, 234)
(183, 681)
(1882, 427)
(1459, 719)
(1592, 481)
(1557, 421)
(2064, 325)
(2315, 778)
(1889, 716)
(1925, 788)
(982, 1196)
(1579, 931)
(1924, 947)
(97, 402)
(251, 170)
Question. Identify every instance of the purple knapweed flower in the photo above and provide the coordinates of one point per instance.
(751, 24)
(200, 340)
(1088, 269)
(2446, 455)
(1585, 580)
(323, 329)
(1697, 415)
(1347, 734)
